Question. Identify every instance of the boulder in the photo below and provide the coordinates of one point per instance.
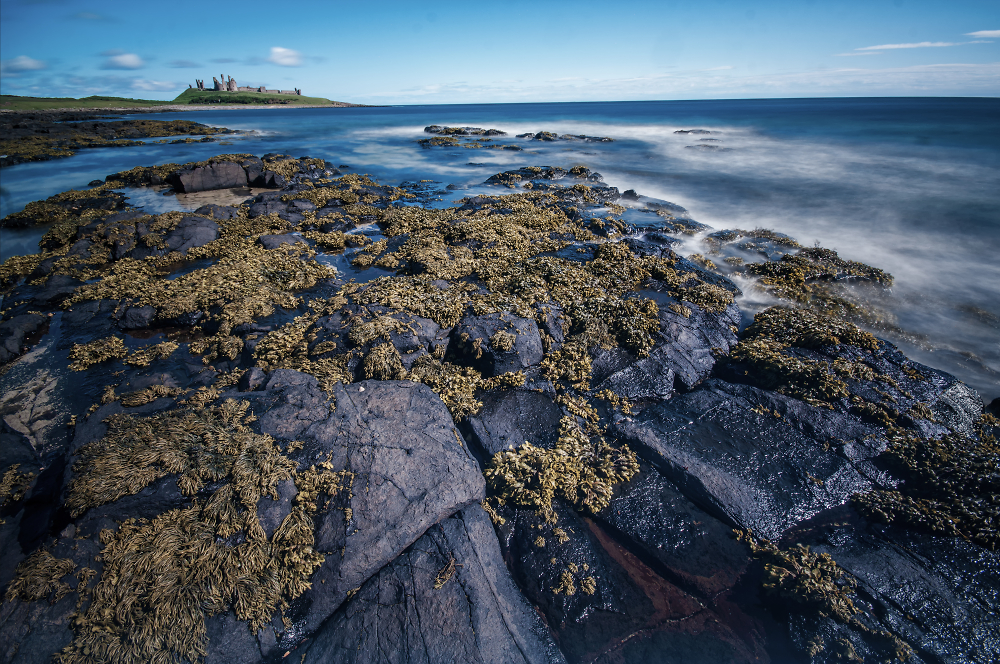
(220, 175)
(136, 318)
(496, 343)
(447, 598)
(221, 212)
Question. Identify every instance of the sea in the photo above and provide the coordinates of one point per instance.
(909, 185)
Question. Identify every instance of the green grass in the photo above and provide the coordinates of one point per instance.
(18, 103)
(191, 96)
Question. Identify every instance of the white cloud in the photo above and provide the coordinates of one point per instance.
(155, 86)
(984, 34)
(886, 47)
(285, 57)
(20, 64)
(118, 60)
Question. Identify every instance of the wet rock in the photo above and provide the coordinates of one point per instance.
(411, 470)
(137, 318)
(497, 343)
(447, 598)
(13, 333)
(266, 204)
(221, 175)
(275, 241)
(936, 593)
(603, 603)
(512, 418)
(688, 546)
(190, 232)
(753, 458)
(220, 212)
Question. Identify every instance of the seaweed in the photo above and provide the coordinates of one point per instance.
(951, 486)
(39, 576)
(578, 469)
(95, 352)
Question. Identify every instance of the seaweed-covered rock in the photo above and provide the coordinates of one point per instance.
(497, 343)
(447, 598)
(220, 175)
(756, 459)
(510, 418)
(411, 469)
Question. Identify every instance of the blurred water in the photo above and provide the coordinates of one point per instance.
(908, 185)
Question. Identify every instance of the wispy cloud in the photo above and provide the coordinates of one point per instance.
(184, 64)
(285, 57)
(847, 55)
(723, 67)
(984, 34)
(155, 86)
(119, 60)
(887, 47)
(223, 60)
(21, 64)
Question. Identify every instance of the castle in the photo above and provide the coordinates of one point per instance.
(230, 86)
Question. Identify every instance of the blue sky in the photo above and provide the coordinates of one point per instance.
(505, 51)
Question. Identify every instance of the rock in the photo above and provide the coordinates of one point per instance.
(937, 593)
(220, 175)
(411, 470)
(13, 333)
(685, 353)
(601, 601)
(221, 212)
(137, 318)
(95, 183)
(252, 379)
(512, 418)
(275, 241)
(266, 179)
(497, 343)
(753, 458)
(447, 598)
(685, 544)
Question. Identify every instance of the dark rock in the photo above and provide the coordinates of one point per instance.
(252, 379)
(411, 470)
(136, 318)
(447, 598)
(937, 593)
(624, 606)
(686, 545)
(221, 212)
(993, 408)
(14, 331)
(512, 418)
(755, 459)
(630, 195)
(95, 183)
(497, 343)
(220, 175)
(275, 241)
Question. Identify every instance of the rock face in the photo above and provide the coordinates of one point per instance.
(411, 470)
(756, 459)
(447, 598)
(222, 175)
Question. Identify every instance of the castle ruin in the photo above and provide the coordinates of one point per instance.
(229, 85)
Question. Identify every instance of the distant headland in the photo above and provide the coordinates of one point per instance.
(228, 84)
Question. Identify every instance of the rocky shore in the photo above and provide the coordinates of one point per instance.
(523, 428)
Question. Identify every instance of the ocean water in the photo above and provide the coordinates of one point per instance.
(908, 185)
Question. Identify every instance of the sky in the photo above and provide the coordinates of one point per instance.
(505, 51)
